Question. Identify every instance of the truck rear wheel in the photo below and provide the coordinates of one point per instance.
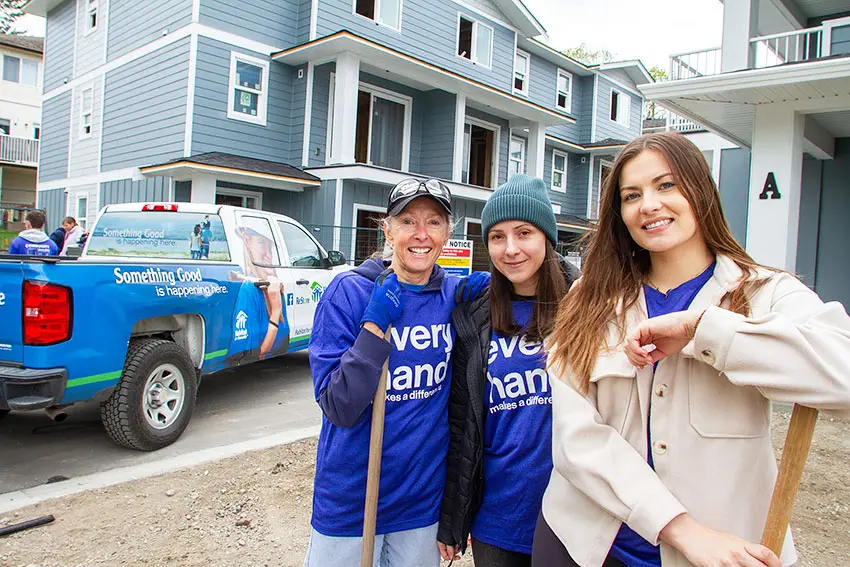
(153, 402)
(3, 413)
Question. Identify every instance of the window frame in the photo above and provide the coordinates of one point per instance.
(91, 9)
(566, 156)
(526, 75)
(568, 108)
(497, 146)
(376, 19)
(7, 123)
(82, 220)
(273, 231)
(17, 79)
(557, 210)
(83, 113)
(261, 119)
(523, 158)
(473, 48)
(243, 194)
(623, 117)
(285, 248)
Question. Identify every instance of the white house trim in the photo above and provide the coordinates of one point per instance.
(190, 95)
(590, 188)
(314, 19)
(466, 222)
(196, 11)
(308, 116)
(100, 129)
(338, 187)
(593, 105)
(103, 177)
(457, 156)
(105, 19)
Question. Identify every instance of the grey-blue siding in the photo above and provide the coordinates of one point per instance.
(597, 183)
(436, 112)
(55, 126)
(297, 115)
(607, 128)
(581, 108)
(313, 206)
(574, 201)
(134, 23)
(52, 202)
(212, 131)
(504, 140)
(833, 270)
(840, 40)
(144, 114)
(319, 116)
(734, 190)
(130, 191)
(807, 234)
(429, 32)
(266, 21)
(302, 26)
(59, 46)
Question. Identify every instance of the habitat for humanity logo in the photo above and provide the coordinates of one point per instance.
(318, 290)
(241, 331)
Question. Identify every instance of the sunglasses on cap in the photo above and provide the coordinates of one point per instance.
(407, 190)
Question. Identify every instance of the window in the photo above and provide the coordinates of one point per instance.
(17, 70)
(36, 131)
(5, 127)
(386, 12)
(82, 211)
(559, 171)
(521, 68)
(620, 107)
(475, 41)
(29, 73)
(91, 15)
(248, 94)
(11, 69)
(237, 198)
(303, 251)
(480, 158)
(260, 247)
(556, 208)
(382, 135)
(563, 99)
(516, 159)
(86, 110)
(155, 234)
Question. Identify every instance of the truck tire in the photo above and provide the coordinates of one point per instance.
(153, 401)
(4, 413)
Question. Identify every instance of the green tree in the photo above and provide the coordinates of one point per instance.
(10, 10)
(653, 110)
(589, 56)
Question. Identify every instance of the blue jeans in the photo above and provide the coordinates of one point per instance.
(410, 548)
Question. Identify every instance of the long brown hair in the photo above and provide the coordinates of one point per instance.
(615, 266)
(551, 288)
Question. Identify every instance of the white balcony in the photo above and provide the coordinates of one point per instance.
(21, 151)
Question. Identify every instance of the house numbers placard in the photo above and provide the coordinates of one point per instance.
(770, 189)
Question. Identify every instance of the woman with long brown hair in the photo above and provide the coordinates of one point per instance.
(669, 351)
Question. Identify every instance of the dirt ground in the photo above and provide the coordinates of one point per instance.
(254, 510)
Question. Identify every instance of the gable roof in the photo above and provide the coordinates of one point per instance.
(24, 42)
(634, 68)
(521, 17)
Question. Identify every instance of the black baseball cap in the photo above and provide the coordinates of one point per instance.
(409, 189)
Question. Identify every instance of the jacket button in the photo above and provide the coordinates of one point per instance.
(659, 447)
(708, 356)
(661, 390)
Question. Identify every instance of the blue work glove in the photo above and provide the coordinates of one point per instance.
(473, 285)
(385, 305)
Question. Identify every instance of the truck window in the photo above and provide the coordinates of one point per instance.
(159, 234)
(257, 237)
(303, 251)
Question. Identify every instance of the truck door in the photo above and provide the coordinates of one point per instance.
(304, 260)
(261, 316)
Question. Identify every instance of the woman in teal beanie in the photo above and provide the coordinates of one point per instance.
(500, 448)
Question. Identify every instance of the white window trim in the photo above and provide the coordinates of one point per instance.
(77, 198)
(466, 222)
(262, 103)
(527, 72)
(3, 69)
(828, 25)
(569, 106)
(473, 55)
(378, 12)
(523, 157)
(356, 209)
(83, 133)
(497, 142)
(556, 208)
(566, 157)
(623, 118)
(241, 193)
(385, 94)
(91, 7)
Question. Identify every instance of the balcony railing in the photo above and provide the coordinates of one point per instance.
(769, 51)
(18, 150)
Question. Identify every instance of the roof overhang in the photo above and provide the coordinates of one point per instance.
(378, 56)
(186, 170)
(519, 14)
(549, 53)
(636, 70)
(569, 146)
(41, 7)
(726, 103)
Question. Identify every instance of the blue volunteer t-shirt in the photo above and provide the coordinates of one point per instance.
(416, 427)
(251, 323)
(629, 547)
(517, 439)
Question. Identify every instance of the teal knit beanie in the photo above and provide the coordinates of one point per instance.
(521, 198)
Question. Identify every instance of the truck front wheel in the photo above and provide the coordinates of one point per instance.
(153, 402)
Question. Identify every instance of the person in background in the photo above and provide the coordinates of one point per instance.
(206, 238)
(665, 359)
(73, 232)
(500, 413)
(195, 243)
(58, 237)
(33, 241)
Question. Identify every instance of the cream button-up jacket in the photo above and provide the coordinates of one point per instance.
(709, 425)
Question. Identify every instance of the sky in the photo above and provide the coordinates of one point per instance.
(649, 30)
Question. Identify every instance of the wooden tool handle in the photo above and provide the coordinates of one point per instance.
(798, 440)
(373, 475)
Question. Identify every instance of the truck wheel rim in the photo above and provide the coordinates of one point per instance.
(165, 393)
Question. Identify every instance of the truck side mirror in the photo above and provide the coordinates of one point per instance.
(336, 258)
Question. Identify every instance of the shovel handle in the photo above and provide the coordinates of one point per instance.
(373, 475)
(798, 440)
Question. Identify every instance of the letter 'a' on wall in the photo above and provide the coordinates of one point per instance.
(770, 189)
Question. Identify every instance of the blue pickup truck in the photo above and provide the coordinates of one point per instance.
(162, 294)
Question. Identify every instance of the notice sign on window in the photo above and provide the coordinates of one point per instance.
(457, 257)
